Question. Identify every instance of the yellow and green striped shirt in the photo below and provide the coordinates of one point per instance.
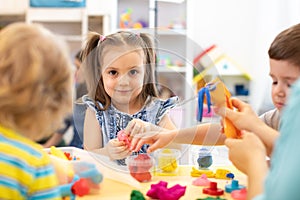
(25, 169)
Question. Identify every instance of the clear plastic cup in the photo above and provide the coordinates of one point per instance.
(168, 160)
(202, 157)
(141, 167)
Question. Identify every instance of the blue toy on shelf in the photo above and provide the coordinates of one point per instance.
(57, 3)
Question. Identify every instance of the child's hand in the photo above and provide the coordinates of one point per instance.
(117, 149)
(244, 119)
(156, 139)
(246, 153)
(137, 126)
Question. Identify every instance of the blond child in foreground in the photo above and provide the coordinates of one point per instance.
(35, 95)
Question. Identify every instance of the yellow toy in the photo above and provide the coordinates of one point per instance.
(197, 173)
(222, 173)
(219, 174)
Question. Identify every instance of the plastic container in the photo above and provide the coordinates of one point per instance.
(141, 167)
(202, 158)
(168, 161)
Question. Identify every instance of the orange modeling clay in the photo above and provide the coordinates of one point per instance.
(216, 93)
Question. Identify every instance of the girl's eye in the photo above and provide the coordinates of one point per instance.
(112, 72)
(133, 72)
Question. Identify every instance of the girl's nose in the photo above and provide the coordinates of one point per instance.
(124, 79)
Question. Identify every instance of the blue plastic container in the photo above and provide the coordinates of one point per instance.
(58, 3)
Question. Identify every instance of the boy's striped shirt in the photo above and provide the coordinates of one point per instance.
(25, 169)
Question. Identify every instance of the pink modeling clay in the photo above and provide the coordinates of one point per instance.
(201, 181)
(160, 191)
(173, 193)
(153, 192)
(213, 189)
(123, 137)
(239, 194)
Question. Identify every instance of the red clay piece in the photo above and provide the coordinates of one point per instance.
(213, 190)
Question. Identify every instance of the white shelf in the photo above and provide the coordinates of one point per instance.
(171, 47)
(55, 14)
(73, 24)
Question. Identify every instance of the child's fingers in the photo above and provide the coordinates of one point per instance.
(237, 103)
(136, 129)
(129, 127)
(225, 112)
(230, 142)
(133, 143)
(139, 145)
(153, 147)
(116, 143)
(140, 139)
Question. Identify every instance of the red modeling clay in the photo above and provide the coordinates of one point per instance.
(139, 166)
(123, 137)
(213, 190)
(80, 187)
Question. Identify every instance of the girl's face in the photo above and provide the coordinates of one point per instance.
(283, 74)
(123, 77)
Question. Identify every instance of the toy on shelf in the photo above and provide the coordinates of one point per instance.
(126, 21)
(125, 18)
(75, 177)
(215, 93)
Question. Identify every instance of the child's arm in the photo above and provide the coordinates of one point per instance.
(92, 133)
(142, 128)
(246, 119)
(248, 154)
(203, 134)
(167, 123)
(114, 149)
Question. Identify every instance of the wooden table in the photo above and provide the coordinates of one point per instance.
(118, 185)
